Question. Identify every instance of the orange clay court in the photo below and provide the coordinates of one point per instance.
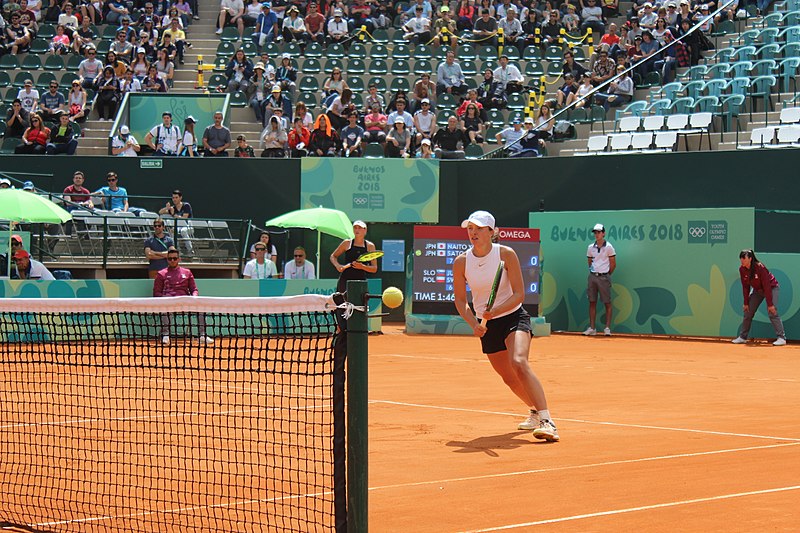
(656, 435)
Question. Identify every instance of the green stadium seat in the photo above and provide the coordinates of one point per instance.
(532, 53)
(466, 51)
(230, 34)
(5, 79)
(422, 51)
(534, 69)
(220, 63)
(250, 49)
(54, 62)
(358, 100)
(487, 52)
(293, 49)
(38, 46)
(335, 50)
(400, 67)
(271, 49)
(46, 31)
(309, 98)
(554, 53)
(239, 99)
(226, 48)
(401, 51)
(102, 48)
(468, 67)
(373, 151)
(19, 79)
(356, 84)
(74, 62)
(357, 50)
(333, 63)
(308, 84)
(517, 101)
(311, 66)
(554, 69)
(31, 62)
(473, 151)
(44, 79)
(314, 50)
(379, 51)
(9, 143)
(512, 52)
(379, 82)
(424, 66)
(10, 95)
(447, 101)
(9, 62)
(380, 36)
(356, 66)
(399, 84)
(3, 127)
(378, 67)
(217, 80)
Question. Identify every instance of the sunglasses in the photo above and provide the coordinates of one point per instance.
(112, 179)
(299, 255)
(261, 249)
(158, 225)
(172, 258)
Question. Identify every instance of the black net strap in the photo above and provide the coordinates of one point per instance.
(168, 421)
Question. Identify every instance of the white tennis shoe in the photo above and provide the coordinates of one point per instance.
(203, 339)
(530, 423)
(739, 340)
(590, 332)
(165, 339)
(780, 341)
(546, 431)
(607, 332)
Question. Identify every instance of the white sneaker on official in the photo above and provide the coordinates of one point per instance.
(739, 340)
(590, 331)
(546, 431)
(607, 332)
(219, 31)
(780, 341)
(165, 339)
(530, 423)
(203, 339)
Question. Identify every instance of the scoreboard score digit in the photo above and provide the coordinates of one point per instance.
(435, 249)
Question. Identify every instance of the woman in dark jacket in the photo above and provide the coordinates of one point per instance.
(239, 71)
(764, 286)
(490, 93)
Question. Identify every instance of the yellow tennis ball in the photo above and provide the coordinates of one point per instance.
(392, 297)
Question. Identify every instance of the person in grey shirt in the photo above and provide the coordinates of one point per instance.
(216, 138)
(451, 78)
(620, 91)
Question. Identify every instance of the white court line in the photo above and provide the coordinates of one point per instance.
(579, 421)
(583, 466)
(240, 503)
(748, 378)
(160, 416)
(634, 509)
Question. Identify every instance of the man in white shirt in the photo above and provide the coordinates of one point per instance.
(299, 268)
(231, 12)
(507, 75)
(124, 144)
(260, 267)
(28, 268)
(602, 262)
(89, 68)
(418, 29)
(164, 138)
(29, 97)
(337, 28)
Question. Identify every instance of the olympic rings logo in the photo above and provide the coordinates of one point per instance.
(697, 232)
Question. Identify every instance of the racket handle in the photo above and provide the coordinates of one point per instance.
(483, 322)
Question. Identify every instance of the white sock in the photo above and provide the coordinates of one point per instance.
(544, 414)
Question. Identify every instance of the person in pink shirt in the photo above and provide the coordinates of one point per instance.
(177, 281)
(755, 276)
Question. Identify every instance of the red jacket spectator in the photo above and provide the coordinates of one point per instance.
(762, 281)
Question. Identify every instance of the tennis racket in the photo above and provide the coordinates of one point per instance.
(493, 293)
(369, 256)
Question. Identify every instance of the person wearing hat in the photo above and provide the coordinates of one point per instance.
(286, 75)
(258, 91)
(532, 140)
(243, 149)
(78, 196)
(28, 186)
(324, 140)
(231, 13)
(276, 101)
(426, 150)
(164, 138)
(16, 244)
(398, 140)
(266, 30)
(275, 137)
(337, 29)
(602, 260)
(445, 27)
(505, 329)
(29, 97)
(298, 138)
(511, 135)
(294, 27)
(123, 144)
(5, 183)
(647, 17)
(349, 250)
(63, 138)
(216, 138)
(424, 121)
(28, 268)
(418, 28)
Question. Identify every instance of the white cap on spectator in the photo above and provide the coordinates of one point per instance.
(483, 219)
(426, 141)
(425, 101)
(360, 224)
(399, 120)
(6, 181)
(124, 130)
(337, 12)
(599, 227)
(529, 120)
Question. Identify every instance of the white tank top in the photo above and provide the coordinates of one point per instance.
(480, 273)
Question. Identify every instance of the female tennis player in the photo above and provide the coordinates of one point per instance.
(506, 337)
(352, 250)
(754, 274)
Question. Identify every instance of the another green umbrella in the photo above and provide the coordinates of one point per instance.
(323, 220)
(18, 205)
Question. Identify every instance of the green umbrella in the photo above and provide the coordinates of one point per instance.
(18, 205)
(323, 220)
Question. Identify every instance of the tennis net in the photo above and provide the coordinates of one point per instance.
(235, 424)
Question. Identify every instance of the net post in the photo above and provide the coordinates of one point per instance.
(357, 405)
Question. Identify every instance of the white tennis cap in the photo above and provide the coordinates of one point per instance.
(360, 223)
(599, 227)
(480, 218)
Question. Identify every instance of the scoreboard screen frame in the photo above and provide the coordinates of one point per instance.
(435, 249)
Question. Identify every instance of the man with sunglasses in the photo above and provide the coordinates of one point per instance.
(51, 103)
(156, 248)
(299, 268)
(90, 68)
(260, 267)
(115, 198)
(178, 281)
